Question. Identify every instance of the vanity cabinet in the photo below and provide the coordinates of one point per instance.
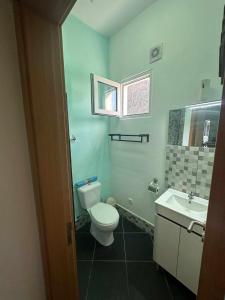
(166, 244)
(189, 259)
(178, 252)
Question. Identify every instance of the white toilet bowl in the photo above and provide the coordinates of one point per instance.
(104, 217)
(104, 220)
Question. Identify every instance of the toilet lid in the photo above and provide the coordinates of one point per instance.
(104, 214)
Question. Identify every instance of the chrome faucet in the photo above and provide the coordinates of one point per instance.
(190, 197)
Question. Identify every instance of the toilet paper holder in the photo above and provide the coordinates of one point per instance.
(154, 186)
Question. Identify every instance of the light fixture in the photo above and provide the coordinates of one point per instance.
(204, 105)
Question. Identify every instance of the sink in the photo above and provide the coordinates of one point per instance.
(175, 206)
(183, 204)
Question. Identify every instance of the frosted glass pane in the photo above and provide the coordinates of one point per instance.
(136, 97)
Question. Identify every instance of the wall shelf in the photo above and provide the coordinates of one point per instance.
(134, 138)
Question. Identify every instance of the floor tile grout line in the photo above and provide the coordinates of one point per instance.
(85, 260)
(132, 232)
(120, 232)
(91, 269)
(124, 247)
(140, 261)
(126, 232)
(117, 260)
(125, 253)
(110, 261)
(168, 286)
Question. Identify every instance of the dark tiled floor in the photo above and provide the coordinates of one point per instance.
(85, 246)
(108, 281)
(125, 270)
(177, 289)
(138, 246)
(145, 282)
(83, 268)
(113, 252)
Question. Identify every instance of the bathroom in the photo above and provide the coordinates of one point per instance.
(133, 154)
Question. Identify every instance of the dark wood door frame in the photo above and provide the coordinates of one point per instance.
(55, 11)
(212, 277)
(39, 39)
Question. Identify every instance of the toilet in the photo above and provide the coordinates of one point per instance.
(104, 217)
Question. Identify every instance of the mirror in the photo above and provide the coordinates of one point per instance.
(194, 125)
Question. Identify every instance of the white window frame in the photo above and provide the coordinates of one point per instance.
(95, 79)
(95, 99)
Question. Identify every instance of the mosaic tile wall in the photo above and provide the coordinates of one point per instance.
(204, 172)
(82, 220)
(189, 169)
(176, 126)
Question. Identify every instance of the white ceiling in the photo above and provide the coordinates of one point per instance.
(108, 16)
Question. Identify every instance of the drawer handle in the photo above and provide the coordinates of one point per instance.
(193, 223)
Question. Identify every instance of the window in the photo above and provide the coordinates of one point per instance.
(105, 95)
(129, 98)
(136, 96)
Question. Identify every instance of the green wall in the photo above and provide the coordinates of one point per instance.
(86, 51)
(190, 32)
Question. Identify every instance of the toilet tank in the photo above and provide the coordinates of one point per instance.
(89, 194)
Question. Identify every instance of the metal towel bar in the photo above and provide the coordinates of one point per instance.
(118, 137)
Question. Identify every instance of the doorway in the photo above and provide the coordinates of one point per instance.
(125, 170)
(35, 23)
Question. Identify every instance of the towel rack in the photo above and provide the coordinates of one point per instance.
(134, 138)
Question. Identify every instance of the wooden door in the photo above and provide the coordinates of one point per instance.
(39, 45)
(41, 62)
(212, 276)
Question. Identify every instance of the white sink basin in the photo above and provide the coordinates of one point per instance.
(175, 206)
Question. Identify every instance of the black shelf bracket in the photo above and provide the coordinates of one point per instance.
(134, 138)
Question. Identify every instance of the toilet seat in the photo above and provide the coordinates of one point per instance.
(104, 215)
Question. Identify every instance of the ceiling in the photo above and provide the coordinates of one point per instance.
(108, 16)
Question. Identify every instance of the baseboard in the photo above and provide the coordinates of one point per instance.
(137, 220)
(129, 215)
